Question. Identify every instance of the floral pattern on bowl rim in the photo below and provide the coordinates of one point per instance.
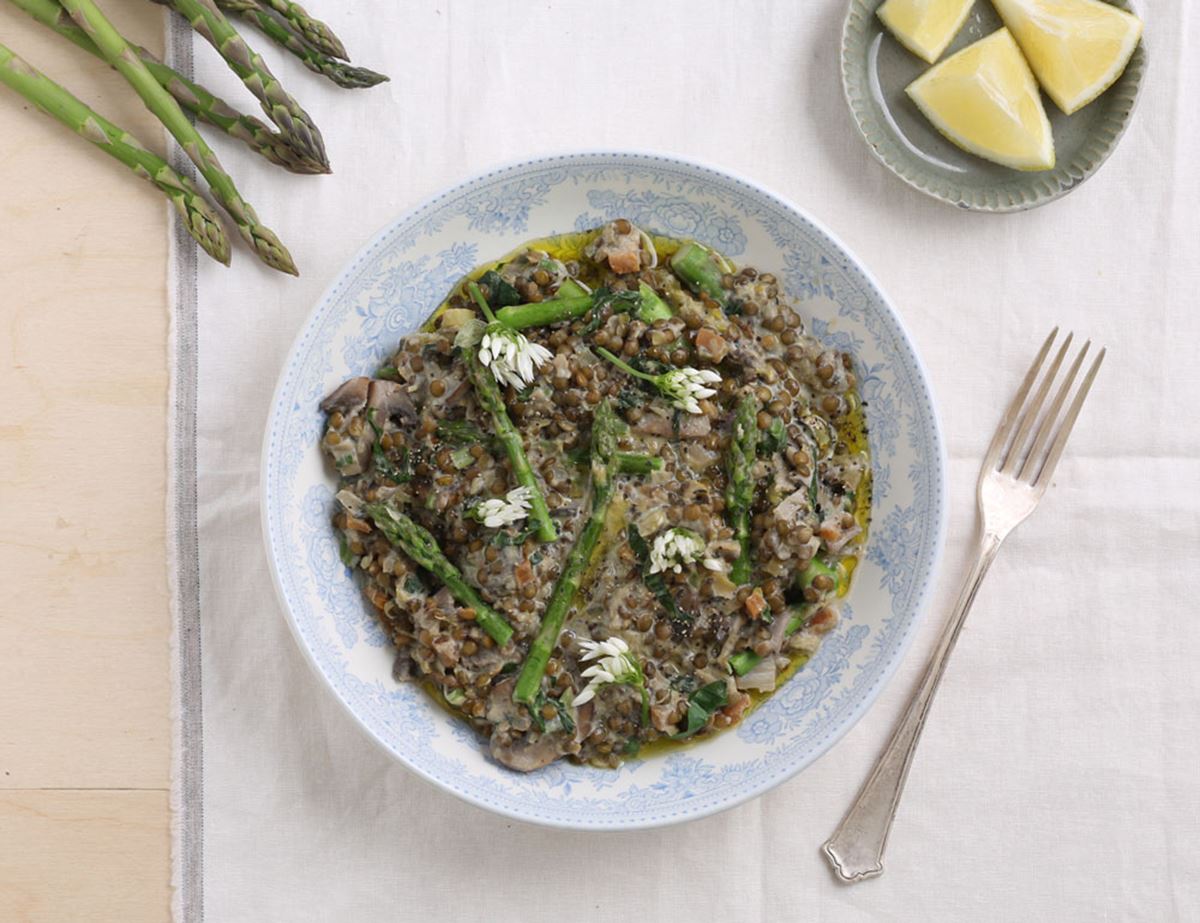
(396, 281)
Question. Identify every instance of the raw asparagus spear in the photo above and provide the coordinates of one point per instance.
(739, 494)
(416, 542)
(276, 28)
(311, 30)
(605, 464)
(191, 96)
(281, 108)
(198, 216)
(118, 53)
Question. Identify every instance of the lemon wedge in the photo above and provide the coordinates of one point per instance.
(1077, 48)
(985, 100)
(925, 27)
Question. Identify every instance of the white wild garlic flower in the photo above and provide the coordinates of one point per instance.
(677, 548)
(503, 511)
(510, 356)
(614, 664)
(686, 387)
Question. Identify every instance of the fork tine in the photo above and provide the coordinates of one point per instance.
(1034, 461)
(1030, 414)
(1004, 430)
(1064, 431)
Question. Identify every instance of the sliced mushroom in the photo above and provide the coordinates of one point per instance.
(349, 397)
(390, 399)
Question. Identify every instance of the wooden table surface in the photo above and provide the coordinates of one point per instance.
(84, 634)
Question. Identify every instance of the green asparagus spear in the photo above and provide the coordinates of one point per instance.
(569, 288)
(118, 53)
(605, 430)
(701, 270)
(281, 108)
(487, 392)
(652, 307)
(544, 313)
(633, 463)
(191, 96)
(198, 216)
(553, 310)
(276, 28)
(739, 494)
(416, 542)
(300, 23)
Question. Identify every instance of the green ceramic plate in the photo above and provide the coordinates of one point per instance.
(876, 69)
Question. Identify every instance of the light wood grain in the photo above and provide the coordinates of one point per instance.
(94, 856)
(84, 694)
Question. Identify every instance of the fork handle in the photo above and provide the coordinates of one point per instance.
(856, 848)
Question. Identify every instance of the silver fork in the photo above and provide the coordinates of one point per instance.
(1014, 477)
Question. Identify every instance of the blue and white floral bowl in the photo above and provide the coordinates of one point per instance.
(397, 280)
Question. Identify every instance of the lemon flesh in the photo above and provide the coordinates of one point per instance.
(925, 27)
(985, 100)
(1077, 48)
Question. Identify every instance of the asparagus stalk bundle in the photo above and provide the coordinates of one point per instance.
(198, 216)
(279, 29)
(739, 494)
(281, 108)
(118, 53)
(416, 542)
(192, 97)
(605, 462)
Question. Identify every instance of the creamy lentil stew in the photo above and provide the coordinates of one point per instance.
(607, 498)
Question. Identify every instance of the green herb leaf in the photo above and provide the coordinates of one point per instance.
(413, 585)
(743, 662)
(702, 705)
(631, 396)
(454, 696)
(500, 294)
(580, 455)
(461, 433)
(774, 439)
(503, 539)
(387, 371)
(563, 713)
(344, 551)
(655, 582)
(618, 302)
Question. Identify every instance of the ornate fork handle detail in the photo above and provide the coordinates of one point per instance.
(856, 847)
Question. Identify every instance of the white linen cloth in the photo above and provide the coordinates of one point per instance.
(1057, 777)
